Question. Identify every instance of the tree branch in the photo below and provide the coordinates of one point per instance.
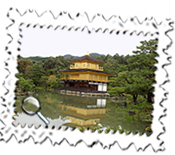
(127, 80)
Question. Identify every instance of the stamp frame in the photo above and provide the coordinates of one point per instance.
(106, 139)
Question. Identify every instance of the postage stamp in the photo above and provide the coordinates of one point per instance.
(92, 90)
(76, 78)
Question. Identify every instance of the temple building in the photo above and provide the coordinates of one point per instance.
(85, 77)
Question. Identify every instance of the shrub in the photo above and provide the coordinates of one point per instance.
(128, 98)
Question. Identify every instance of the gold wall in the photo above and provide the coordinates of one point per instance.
(82, 65)
(91, 77)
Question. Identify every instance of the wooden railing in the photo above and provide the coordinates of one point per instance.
(83, 67)
(79, 78)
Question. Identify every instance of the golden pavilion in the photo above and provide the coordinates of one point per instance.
(85, 76)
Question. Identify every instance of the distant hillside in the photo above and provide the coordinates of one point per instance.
(67, 56)
(96, 54)
(37, 58)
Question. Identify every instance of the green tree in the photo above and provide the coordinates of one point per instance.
(23, 63)
(26, 85)
(37, 72)
(52, 82)
(27, 72)
(126, 83)
(142, 65)
(49, 63)
(19, 76)
(116, 63)
(138, 75)
(43, 81)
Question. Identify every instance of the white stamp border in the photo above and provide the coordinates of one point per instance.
(74, 137)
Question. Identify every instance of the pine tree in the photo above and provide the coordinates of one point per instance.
(139, 76)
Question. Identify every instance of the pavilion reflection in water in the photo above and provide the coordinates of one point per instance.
(83, 111)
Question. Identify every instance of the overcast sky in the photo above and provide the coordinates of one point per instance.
(49, 42)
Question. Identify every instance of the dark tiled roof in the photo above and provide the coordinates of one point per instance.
(82, 70)
(87, 57)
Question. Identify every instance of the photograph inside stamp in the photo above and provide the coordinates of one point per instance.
(83, 79)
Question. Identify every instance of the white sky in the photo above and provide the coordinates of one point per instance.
(49, 42)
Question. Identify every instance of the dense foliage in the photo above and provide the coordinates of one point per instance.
(40, 72)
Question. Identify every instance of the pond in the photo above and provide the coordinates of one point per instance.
(82, 111)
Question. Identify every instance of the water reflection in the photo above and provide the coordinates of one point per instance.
(79, 111)
(83, 111)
